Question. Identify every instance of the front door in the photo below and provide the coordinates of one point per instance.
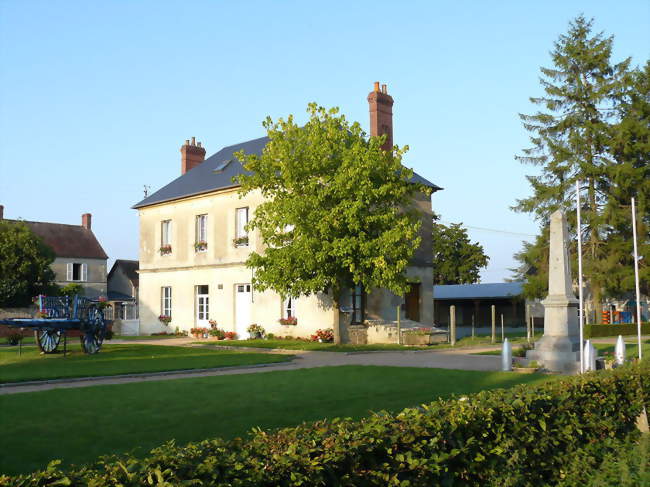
(412, 303)
(242, 309)
(202, 306)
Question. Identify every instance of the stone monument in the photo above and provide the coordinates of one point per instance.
(559, 348)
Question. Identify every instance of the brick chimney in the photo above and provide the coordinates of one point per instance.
(192, 154)
(86, 220)
(381, 114)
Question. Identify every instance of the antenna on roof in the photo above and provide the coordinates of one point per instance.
(146, 190)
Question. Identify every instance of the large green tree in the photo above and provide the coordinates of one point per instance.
(456, 260)
(24, 264)
(337, 209)
(572, 136)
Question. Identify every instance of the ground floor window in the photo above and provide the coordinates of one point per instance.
(166, 301)
(289, 308)
(357, 302)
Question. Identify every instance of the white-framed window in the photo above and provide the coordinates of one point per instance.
(289, 308)
(166, 301)
(76, 271)
(241, 220)
(165, 233)
(202, 303)
(358, 304)
(201, 233)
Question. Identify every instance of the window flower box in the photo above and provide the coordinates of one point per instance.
(165, 249)
(201, 246)
(164, 319)
(240, 241)
(290, 321)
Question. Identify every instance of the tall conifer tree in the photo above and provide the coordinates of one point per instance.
(570, 138)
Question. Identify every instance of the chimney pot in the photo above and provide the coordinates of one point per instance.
(376, 86)
(187, 141)
(193, 140)
(384, 89)
(198, 144)
(86, 220)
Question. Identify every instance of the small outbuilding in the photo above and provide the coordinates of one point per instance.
(474, 303)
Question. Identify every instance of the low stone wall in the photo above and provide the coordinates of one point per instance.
(8, 313)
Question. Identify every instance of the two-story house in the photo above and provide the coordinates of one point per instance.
(194, 245)
(80, 259)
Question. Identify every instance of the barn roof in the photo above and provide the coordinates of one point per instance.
(478, 291)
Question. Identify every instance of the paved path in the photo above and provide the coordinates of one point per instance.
(462, 359)
(448, 359)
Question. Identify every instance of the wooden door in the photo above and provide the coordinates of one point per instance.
(412, 303)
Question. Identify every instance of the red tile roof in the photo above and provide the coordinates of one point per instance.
(69, 240)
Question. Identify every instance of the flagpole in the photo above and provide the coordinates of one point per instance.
(581, 308)
(636, 280)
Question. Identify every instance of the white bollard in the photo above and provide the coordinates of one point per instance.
(619, 351)
(506, 356)
(588, 357)
(594, 356)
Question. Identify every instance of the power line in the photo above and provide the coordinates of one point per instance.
(519, 234)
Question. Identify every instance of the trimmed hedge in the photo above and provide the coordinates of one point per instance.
(517, 437)
(596, 331)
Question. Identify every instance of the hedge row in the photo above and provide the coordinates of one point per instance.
(517, 437)
(596, 331)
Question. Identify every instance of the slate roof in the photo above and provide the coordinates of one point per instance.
(69, 240)
(478, 291)
(204, 179)
(130, 269)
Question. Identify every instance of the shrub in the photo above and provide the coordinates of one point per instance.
(517, 437)
(108, 335)
(230, 335)
(14, 338)
(256, 331)
(596, 331)
(217, 333)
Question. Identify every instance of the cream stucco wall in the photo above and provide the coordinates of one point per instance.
(222, 267)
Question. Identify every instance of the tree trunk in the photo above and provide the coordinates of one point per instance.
(336, 321)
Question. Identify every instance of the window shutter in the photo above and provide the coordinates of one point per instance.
(68, 276)
(84, 272)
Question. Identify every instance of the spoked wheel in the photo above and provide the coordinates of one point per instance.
(47, 340)
(93, 333)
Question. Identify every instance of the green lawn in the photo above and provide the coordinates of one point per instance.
(119, 359)
(79, 425)
(331, 347)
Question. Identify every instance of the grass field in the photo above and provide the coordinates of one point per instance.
(79, 425)
(331, 347)
(119, 359)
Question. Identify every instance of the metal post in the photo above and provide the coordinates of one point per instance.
(452, 325)
(532, 327)
(636, 281)
(502, 331)
(65, 344)
(472, 326)
(399, 325)
(506, 356)
(494, 324)
(20, 343)
(528, 316)
(580, 286)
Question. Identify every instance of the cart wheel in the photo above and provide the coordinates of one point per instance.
(93, 333)
(47, 340)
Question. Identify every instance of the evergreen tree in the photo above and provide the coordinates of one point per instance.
(456, 260)
(571, 140)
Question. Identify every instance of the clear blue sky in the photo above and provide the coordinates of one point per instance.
(96, 98)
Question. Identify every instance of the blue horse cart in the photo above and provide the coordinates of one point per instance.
(58, 315)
